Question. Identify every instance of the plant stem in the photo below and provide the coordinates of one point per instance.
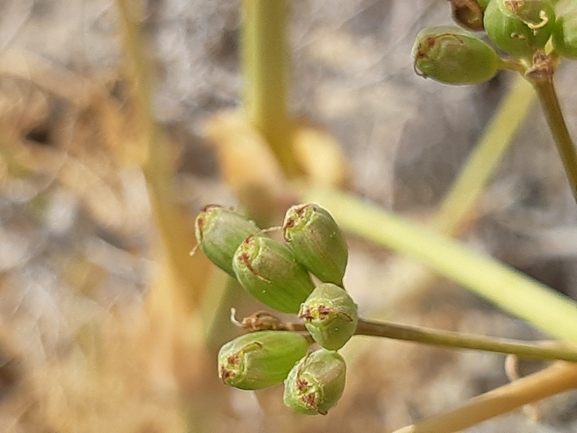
(553, 380)
(463, 341)
(459, 205)
(461, 200)
(177, 235)
(512, 65)
(550, 103)
(509, 289)
(264, 64)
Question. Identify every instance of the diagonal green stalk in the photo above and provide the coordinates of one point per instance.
(458, 207)
(457, 340)
(472, 180)
(512, 291)
(550, 102)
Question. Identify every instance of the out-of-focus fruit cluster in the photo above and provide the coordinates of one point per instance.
(279, 275)
(526, 30)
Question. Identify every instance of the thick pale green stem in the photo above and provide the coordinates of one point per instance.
(550, 103)
(264, 66)
(459, 206)
(458, 340)
(511, 290)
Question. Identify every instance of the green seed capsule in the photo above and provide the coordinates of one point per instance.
(260, 359)
(454, 56)
(316, 383)
(219, 232)
(520, 27)
(565, 31)
(330, 316)
(317, 242)
(269, 271)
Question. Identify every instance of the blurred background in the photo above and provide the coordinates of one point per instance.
(95, 337)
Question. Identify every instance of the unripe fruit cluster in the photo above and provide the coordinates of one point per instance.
(279, 276)
(523, 29)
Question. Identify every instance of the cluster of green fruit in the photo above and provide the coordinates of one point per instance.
(279, 276)
(533, 32)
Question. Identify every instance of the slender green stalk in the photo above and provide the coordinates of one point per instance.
(459, 340)
(509, 289)
(264, 64)
(553, 380)
(434, 337)
(512, 65)
(464, 194)
(550, 103)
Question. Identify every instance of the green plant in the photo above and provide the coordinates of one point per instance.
(535, 35)
(331, 318)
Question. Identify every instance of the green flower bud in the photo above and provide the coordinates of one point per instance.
(454, 56)
(317, 242)
(260, 359)
(219, 232)
(565, 31)
(468, 14)
(520, 27)
(316, 383)
(269, 271)
(330, 316)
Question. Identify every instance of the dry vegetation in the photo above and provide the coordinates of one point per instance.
(97, 333)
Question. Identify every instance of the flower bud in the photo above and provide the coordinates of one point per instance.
(468, 14)
(520, 27)
(454, 56)
(260, 359)
(316, 383)
(565, 31)
(330, 316)
(317, 242)
(219, 232)
(269, 271)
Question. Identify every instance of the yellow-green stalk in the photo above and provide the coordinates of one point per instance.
(264, 64)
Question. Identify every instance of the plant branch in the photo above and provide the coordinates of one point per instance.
(553, 380)
(462, 198)
(509, 289)
(459, 340)
(550, 103)
(263, 320)
(264, 64)
(407, 279)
